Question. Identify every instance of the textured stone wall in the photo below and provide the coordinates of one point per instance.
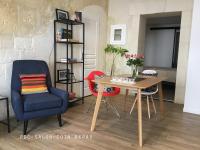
(26, 32)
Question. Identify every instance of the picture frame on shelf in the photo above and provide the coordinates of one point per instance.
(62, 14)
(118, 34)
(63, 75)
(66, 34)
(78, 16)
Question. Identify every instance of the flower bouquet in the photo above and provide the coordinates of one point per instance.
(134, 61)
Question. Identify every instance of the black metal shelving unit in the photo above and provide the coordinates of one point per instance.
(69, 48)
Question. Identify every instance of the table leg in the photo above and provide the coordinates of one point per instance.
(160, 92)
(127, 91)
(139, 117)
(96, 110)
(8, 115)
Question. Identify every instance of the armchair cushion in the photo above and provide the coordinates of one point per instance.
(41, 101)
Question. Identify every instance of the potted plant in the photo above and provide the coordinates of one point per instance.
(134, 61)
(114, 51)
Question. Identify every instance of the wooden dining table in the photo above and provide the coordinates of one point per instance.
(139, 85)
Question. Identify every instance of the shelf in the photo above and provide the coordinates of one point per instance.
(70, 22)
(70, 84)
(75, 62)
(75, 99)
(65, 42)
(65, 82)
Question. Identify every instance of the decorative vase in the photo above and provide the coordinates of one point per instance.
(112, 70)
(134, 72)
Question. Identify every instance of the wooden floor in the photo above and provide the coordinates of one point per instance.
(176, 130)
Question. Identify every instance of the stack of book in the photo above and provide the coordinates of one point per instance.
(69, 40)
(65, 60)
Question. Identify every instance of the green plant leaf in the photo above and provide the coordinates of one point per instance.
(115, 50)
(136, 62)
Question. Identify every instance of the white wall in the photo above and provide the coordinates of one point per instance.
(192, 95)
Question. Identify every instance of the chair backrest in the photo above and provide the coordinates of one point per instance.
(91, 77)
(28, 67)
(150, 72)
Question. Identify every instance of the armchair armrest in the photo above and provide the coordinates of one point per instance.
(17, 104)
(59, 93)
(62, 94)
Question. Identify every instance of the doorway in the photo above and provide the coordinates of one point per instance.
(160, 45)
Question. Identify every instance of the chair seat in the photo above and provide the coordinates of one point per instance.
(147, 92)
(41, 101)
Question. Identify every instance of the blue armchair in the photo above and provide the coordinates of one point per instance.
(27, 107)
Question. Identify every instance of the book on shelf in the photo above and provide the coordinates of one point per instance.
(65, 60)
(72, 40)
(69, 40)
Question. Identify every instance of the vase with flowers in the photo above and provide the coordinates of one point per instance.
(134, 61)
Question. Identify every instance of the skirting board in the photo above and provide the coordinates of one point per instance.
(192, 110)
